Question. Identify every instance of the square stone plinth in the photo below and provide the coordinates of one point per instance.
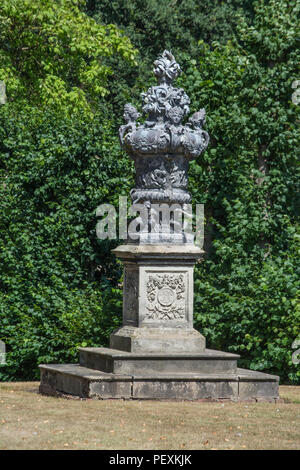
(158, 299)
(157, 340)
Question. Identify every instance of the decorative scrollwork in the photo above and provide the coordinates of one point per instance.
(164, 108)
(161, 145)
(166, 68)
(166, 297)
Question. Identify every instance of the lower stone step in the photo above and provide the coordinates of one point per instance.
(79, 381)
(122, 362)
(73, 379)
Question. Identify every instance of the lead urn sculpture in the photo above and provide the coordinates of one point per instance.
(156, 353)
(162, 146)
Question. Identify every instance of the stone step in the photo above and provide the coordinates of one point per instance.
(123, 362)
(245, 385)
(79, 381)
(73, 379)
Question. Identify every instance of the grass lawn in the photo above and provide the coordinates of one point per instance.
(32, 421)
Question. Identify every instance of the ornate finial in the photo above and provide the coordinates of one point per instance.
(164, 108)
(166, 69)
(162, 146)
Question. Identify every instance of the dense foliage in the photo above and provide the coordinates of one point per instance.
(54, 174)
(178, 25)
(247, 292)
(52, 54)
(60, 287)
(249, 182)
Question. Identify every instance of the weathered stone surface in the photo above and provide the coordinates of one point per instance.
(158, 299)
(157, 253)
(155, 340)
(170, 389)
(158, 295)
(110, 389)
(119, 362)
(3, 97)
(257, 385)
(82, 382)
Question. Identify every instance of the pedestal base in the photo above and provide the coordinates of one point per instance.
(166, 340)
(156, 354)
(106, 373)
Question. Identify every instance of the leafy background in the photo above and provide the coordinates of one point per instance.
(69, 67)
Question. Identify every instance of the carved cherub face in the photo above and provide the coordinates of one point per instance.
(130, 113)
(176, 114)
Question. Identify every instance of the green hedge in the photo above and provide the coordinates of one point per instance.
(60, 287)
(58, 282)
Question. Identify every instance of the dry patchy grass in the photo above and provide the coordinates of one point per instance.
(32, 421)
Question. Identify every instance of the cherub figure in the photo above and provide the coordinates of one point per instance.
(130, 116)
(196, 139)
(197, 120)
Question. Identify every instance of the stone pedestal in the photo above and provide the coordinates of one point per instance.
(158, 299)
(157, 354)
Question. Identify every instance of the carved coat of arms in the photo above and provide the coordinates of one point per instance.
(166, 297)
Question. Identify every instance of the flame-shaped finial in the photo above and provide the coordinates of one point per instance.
(166, 69)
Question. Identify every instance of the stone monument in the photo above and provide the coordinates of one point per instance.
(3, 97)
(156, 353)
